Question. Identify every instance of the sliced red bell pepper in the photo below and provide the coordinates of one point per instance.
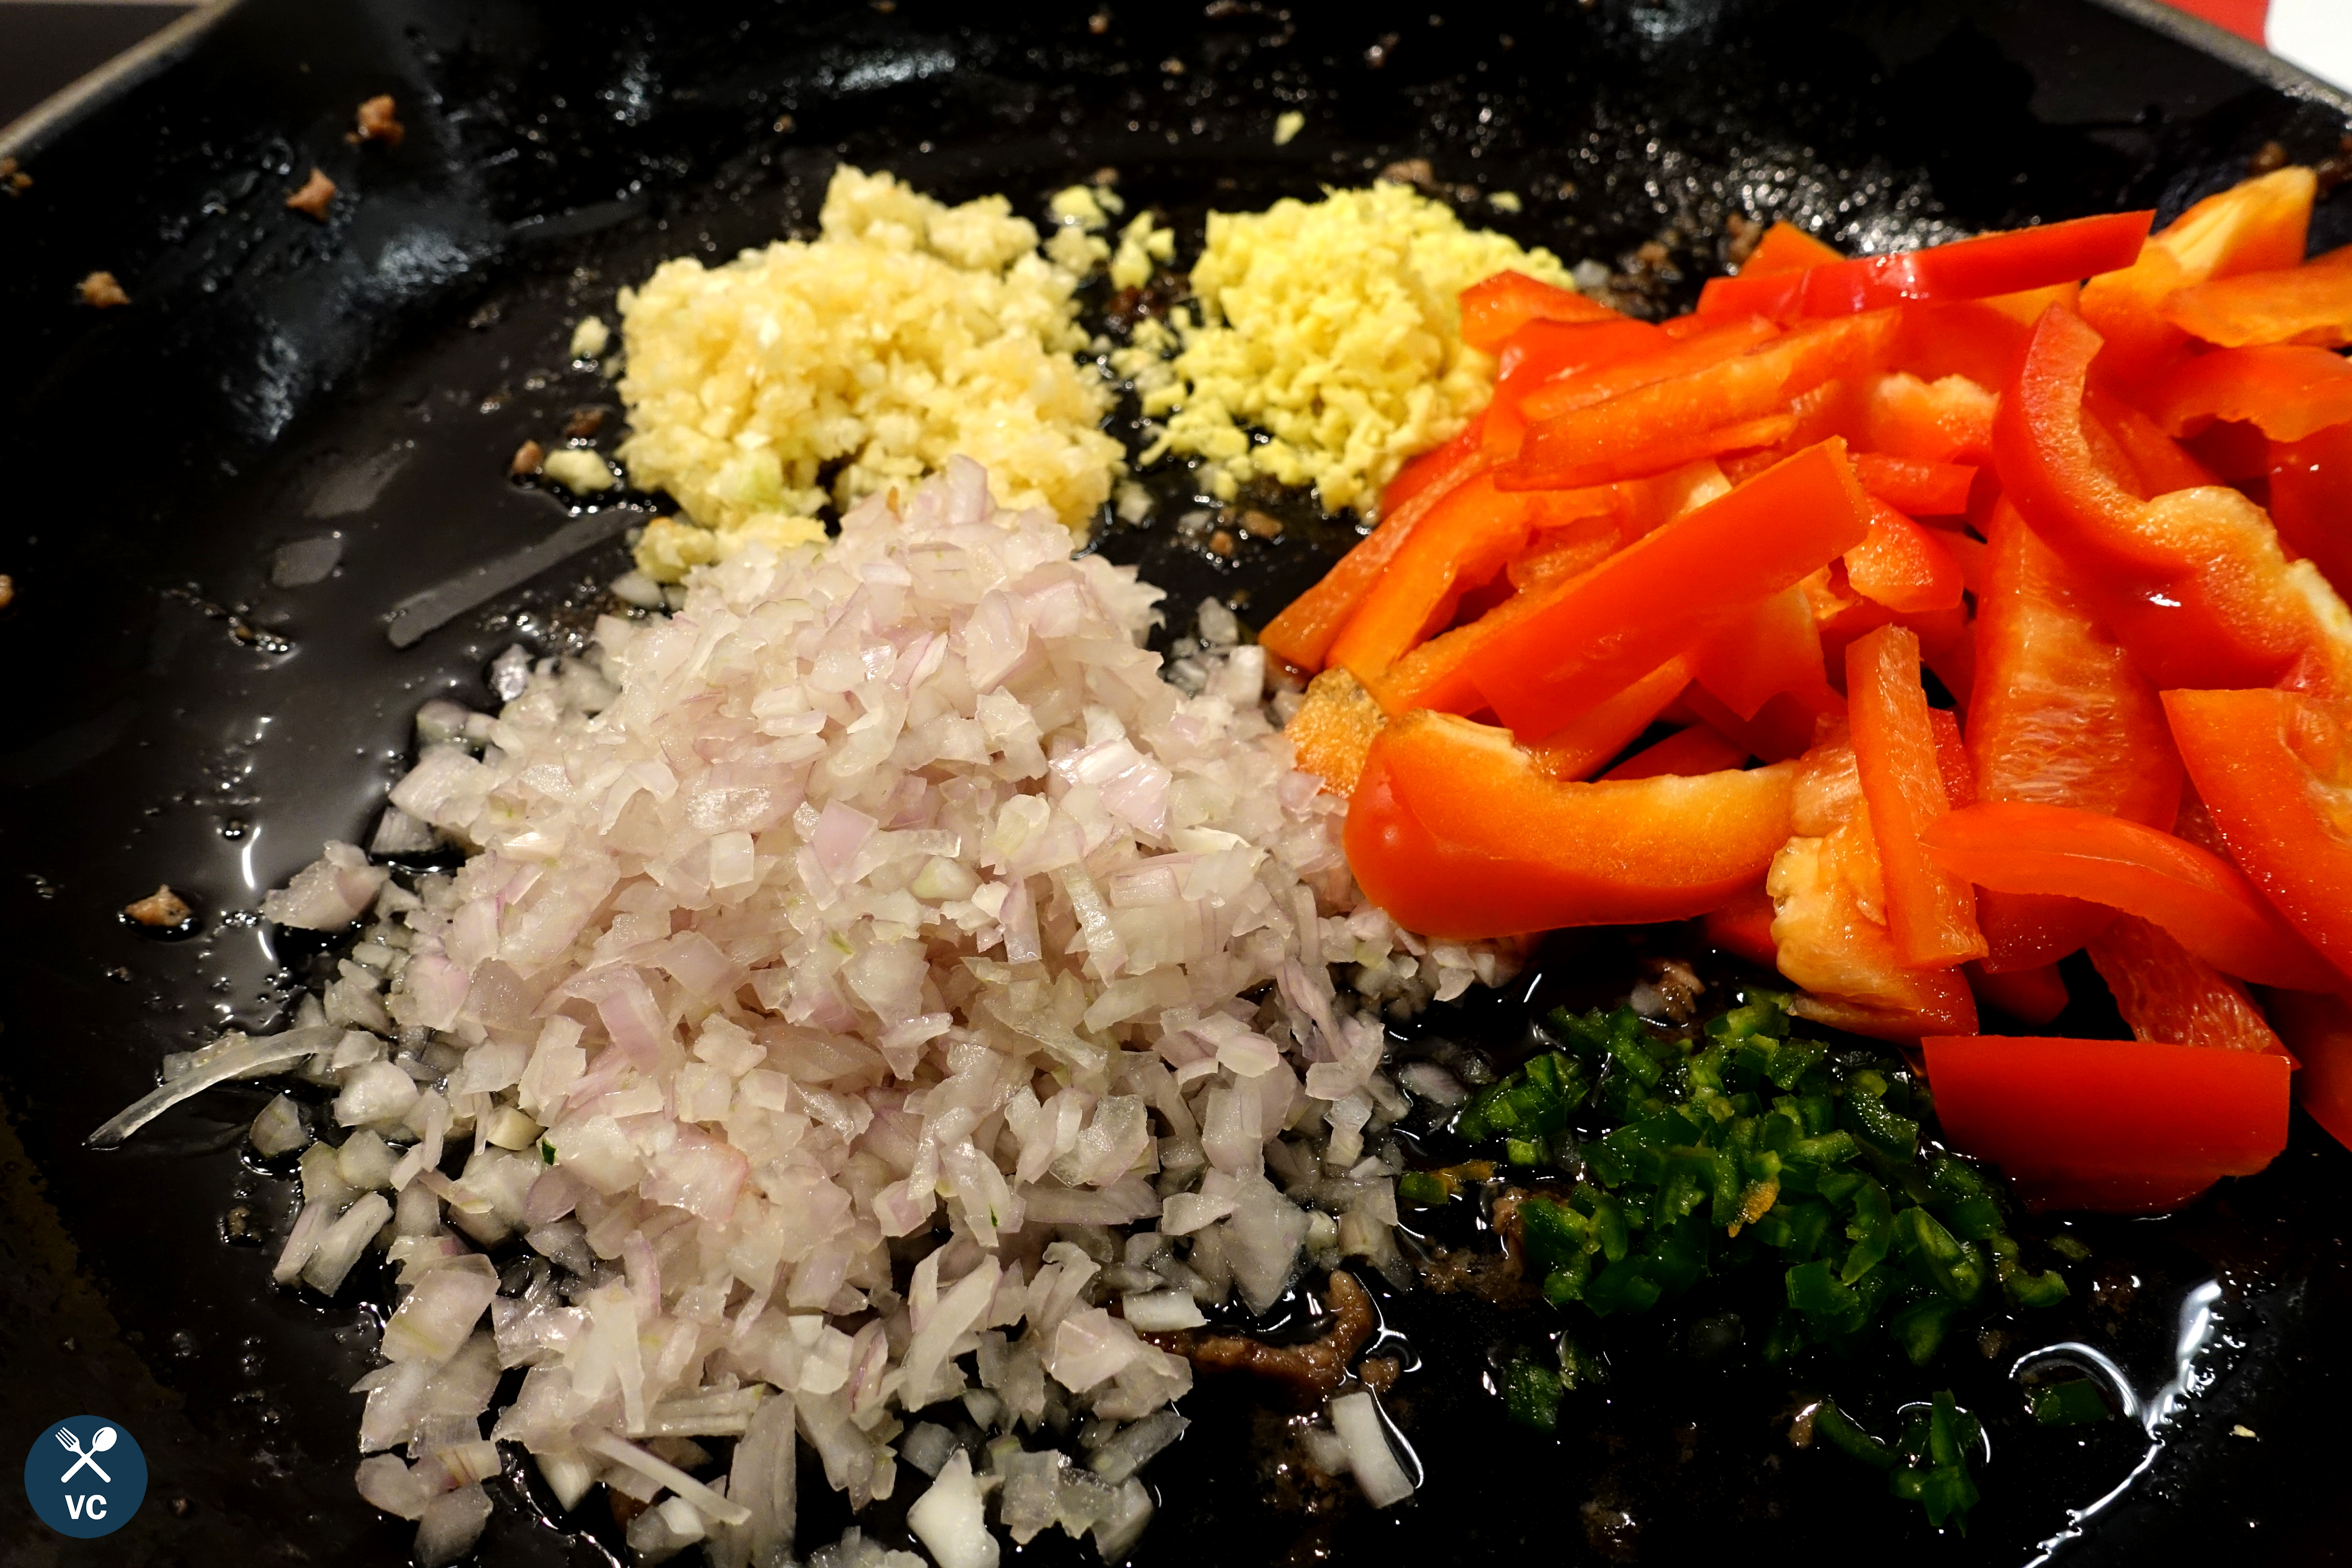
(1940, 421)
(2017, 846)
(2256, 226)
(1977, 340)
(2275, 769)
(1545, 351)
(1931, 914)
(1785, 247)
(1903, 565)
(1463, 540)
(1576, 748)
(1332, 731)
(2135, 449)
(2193, 582)
(2287, 390)
(1686, 753)
(1432, 675)
(2311, 500)
(2165, 992)
(1826, 884)
(2060, 718)
(1661, 594)
(2126, 1126)
(2032, 996)
(2318, 1030)
(1744, 927)
(1989, 264)
(1719, 408)
(2306, 305)
(1687, 355)
(1496, 307)
(1781, 729)
(1959, 774)
(1772, 648)
(1302, 634)
(1456, 834)
(1913, 486)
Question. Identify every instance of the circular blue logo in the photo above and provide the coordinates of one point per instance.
(86, 1476)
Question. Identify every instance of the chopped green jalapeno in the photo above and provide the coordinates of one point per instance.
(1686, 1153)
(2070, 1404)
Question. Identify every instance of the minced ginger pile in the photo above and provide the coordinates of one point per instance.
(1333, 327)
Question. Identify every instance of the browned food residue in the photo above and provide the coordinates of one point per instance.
(14, 180)
(101, 292)
(1741, 234)
(379, 121)
(584, 424)
(1313, 1370)
(527, 459)
(7, 590)
(312, 198)
(163, 909)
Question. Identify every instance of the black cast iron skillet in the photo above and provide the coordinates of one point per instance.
(188, 700)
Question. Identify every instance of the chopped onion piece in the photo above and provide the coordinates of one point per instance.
(621, 1451)
(948, 1520)
(1357, 1418)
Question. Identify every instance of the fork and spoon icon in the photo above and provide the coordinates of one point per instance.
(99, 1442)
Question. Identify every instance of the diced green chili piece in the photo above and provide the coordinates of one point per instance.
(1898, 1135)
(1622, 1287)
(1424, 1187)
(1923, 1238)
(1531, 1393)
(1973, 1219)
(2071, 1403)
(1553, 1234)
(1919, 1327)
(1567, 1282)
(1871, 1230)
(1830, 1423)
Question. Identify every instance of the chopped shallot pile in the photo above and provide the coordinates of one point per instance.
(875, 988)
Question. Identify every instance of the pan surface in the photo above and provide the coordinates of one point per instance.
(218, 496)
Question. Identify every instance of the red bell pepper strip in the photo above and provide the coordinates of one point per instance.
(2206, 903)
(1825, 883)
(2318, 1030)
(1302, 634)
(1722, 341)
(1903, 565)
(2032, 996)
(2288, 391)
(1931, 913)
(1454, 832)
(1781, 729)
(2274, 768)
(2144, 460)
(1496, 307)
(1432, 676)
(1913, 486)
(1463, 541)
(2306, 305)
(1744, 927)
(1977, 340)
(1989, 264)
(2061, 717)
(1686, 753)
(1959, 774)
(1773, 649)
(1578, 747)
(1942, 421)
(2193, 584)
(1542, 352)
(1678, 585)
(1785, 247)
(2126, 1126)
(2311, 500)
(1714, 409)
(2256, 226)
(2167, 992)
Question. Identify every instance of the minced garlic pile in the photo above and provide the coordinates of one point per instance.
(1333, 327)
(909, 331)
